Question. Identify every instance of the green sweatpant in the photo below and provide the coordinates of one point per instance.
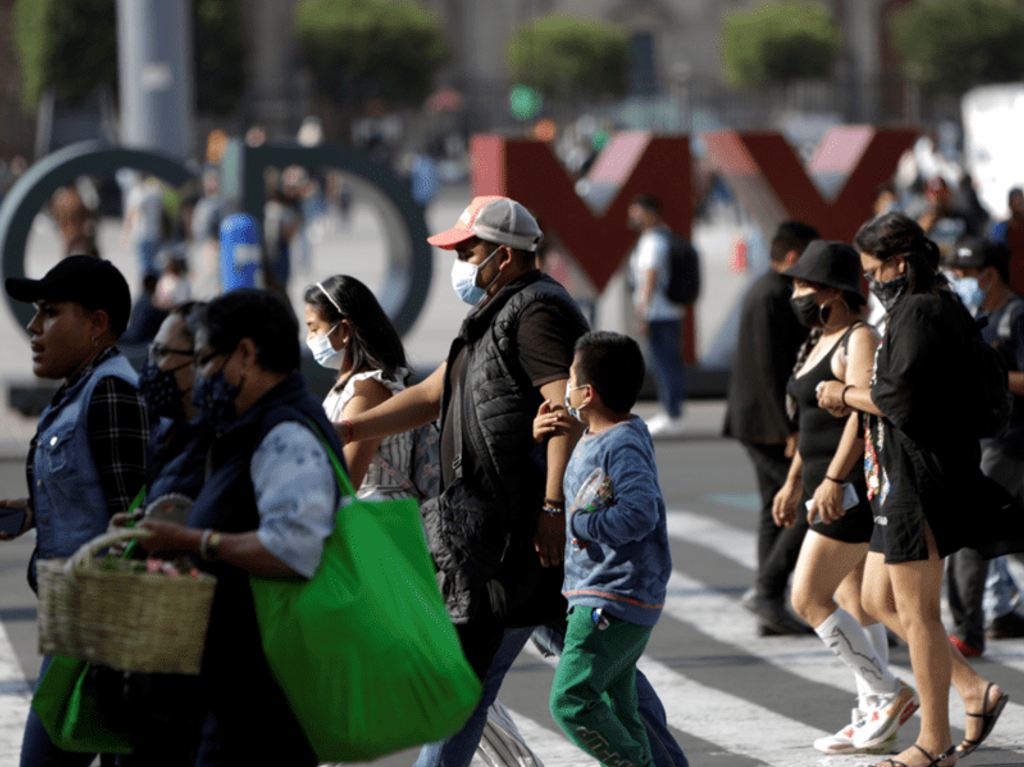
(593, 697)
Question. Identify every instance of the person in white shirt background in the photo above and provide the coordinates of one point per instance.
(660, 320)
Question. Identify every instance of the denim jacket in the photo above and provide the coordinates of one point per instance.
(68, 500)
(617, 554)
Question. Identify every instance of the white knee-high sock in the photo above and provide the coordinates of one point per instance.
(880, 641)
(852, 643)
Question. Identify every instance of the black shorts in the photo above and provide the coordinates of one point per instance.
(899, 534)
(855, 526)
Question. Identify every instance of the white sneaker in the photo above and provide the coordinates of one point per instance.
(843, 741)
(664, 426)
(884, 714)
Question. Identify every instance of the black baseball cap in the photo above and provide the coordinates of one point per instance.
(828, 263)
(92, 282)
(977, 254)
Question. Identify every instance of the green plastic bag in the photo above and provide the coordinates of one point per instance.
(68, 706)
(364, 651)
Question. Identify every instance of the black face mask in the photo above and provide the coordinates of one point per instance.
(159, 389)
(889, 292)
(806, 310)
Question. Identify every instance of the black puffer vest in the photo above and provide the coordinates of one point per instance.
(492, 508)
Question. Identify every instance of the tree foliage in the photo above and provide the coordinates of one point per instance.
(357, 50)
(67, 45)
(952, 45)
(778, 43)
(71, 47)
(563, 56)
(219, 48)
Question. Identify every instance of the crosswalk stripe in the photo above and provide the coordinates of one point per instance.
(14, 702)
(690, 601)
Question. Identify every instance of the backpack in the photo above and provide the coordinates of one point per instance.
(683, 271)
(426, 461)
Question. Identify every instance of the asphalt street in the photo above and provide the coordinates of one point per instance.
(733, 699)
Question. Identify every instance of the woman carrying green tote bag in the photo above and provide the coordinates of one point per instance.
(364, 651)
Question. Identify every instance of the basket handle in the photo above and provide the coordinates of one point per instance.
(89, 549)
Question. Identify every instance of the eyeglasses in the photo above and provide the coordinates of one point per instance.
(158, 352)
(202, 360)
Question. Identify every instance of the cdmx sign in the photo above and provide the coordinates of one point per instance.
(767, 176)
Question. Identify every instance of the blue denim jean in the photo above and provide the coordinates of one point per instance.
(1000, 590)
(458, 750)
(666, 358)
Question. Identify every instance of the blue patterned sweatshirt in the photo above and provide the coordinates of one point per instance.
(617, 555)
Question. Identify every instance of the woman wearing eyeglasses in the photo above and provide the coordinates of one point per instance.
(166, 380)
(163, 716)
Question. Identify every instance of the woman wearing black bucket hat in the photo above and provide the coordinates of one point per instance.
(87, 459)
(922, 470)
(826, 483)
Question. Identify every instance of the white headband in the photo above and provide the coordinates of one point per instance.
(330, 298)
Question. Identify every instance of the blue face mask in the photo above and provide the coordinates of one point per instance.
(970, 292)
(464, 276)
(214, 398)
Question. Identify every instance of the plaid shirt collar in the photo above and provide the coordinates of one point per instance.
(100, 358)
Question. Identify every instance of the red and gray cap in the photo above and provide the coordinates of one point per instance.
(500, 220)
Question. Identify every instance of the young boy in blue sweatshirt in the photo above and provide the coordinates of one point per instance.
(617, 560)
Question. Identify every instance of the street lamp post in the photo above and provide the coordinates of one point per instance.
(154, 44)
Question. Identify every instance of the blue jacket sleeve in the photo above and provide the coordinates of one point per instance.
(636, 508)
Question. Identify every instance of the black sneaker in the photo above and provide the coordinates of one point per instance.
(773, 617)
(1009, 626)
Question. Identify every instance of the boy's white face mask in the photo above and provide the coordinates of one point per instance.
(574, 411)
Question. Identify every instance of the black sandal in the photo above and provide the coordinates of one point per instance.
(933, 760)
(969, 745)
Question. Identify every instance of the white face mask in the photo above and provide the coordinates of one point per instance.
(464, 276)
(323, 352)
(574, 411)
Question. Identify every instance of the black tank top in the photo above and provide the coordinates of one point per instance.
(820, 432)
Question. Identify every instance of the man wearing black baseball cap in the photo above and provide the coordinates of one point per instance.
(87, 459)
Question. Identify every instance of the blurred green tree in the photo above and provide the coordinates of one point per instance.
(778, 43)
(70, 45)
(950, 46)
(219, 48)
(563, 56)
(358, 50)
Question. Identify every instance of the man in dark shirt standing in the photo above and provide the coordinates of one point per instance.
(497, 531)
(769, 339)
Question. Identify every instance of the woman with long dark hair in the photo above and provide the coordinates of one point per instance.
(922, 471)
(348, 331)
(826, 483)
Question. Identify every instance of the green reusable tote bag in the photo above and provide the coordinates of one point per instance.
(364, 650)
(69, 709)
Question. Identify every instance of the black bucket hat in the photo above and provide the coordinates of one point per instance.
(87, 280)
(829, 263)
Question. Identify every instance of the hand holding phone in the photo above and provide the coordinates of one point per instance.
(850, 500)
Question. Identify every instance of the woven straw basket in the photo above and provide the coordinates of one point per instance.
(115, 616)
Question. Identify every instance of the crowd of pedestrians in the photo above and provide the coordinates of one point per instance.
(538, 486)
